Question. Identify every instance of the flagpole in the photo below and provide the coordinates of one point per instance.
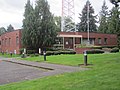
(88, 20)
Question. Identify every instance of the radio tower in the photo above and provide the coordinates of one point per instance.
(68, 16)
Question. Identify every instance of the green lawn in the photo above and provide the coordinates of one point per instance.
(103, 75)
(8, 55)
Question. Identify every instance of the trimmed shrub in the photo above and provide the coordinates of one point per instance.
(21, 50)
(56, 52)
(30, 51)
(114, 50)
(32, 55)
(48, 53)
(94, 51)
(36, 54)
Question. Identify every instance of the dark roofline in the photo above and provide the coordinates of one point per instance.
(90, 32)
(11, 31)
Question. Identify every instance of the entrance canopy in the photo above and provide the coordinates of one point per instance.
(77, 36)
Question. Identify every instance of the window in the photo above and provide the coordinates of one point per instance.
(99, 41)
(9, 43)
(17, 41)
(105, 40)
(3, 42)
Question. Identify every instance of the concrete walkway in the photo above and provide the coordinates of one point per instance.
(51, 69)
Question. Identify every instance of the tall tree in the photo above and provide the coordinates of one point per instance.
(83, 19)
(39, 26)
(114, 22)
(2, 30)
(57, 20)
(46, 30)
(10, 28)
(103, 19)
(28, 25)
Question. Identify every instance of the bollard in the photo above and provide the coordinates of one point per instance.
(44, 56)
(85, 58)
(11, 54)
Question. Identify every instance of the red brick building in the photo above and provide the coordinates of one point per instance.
(73, 39)
(11, 41)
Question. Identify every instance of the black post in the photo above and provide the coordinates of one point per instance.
(44, 53)
(11, 54)
(85, 58)
(44, 56)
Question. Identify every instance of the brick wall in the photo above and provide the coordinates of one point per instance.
(11, 41)
(111, 38)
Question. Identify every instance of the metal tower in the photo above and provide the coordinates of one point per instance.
(68, 16)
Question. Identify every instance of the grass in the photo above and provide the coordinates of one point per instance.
(103, 75)
(9, 56)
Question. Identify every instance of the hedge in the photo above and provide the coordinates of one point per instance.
(48, 53)
(114, 50)
(94, 51)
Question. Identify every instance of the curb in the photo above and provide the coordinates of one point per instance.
(29, 65)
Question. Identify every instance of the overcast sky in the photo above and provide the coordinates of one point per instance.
(11, 11)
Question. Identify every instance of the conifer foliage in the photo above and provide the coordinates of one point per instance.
(82, 27)
(38, 25)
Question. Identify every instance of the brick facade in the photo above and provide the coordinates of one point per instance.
(11, 42)
(96, 39)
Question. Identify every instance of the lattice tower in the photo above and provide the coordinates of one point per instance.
(68, 16)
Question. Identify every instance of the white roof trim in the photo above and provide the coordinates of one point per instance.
(69, 36)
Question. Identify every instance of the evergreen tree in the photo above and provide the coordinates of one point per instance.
(57, 20)
(39, 26)
(10, 28)
(83, 19)
(2, 30)
(28, 25)
(45, 26)
(114, 22)
(103, 19)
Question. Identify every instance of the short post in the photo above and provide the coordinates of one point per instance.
(23, 55)
(85, 58)
(2, 53)
(44, 56)
(11, 54)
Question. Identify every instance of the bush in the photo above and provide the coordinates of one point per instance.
(36, 54)
(30, 51)
(108, 46)
(21, 50)
(32, 55)
(48, 53)
(114, 50)
(94, 51)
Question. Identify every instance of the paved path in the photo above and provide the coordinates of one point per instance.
(12, 70)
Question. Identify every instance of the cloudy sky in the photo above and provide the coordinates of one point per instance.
(11, 11)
